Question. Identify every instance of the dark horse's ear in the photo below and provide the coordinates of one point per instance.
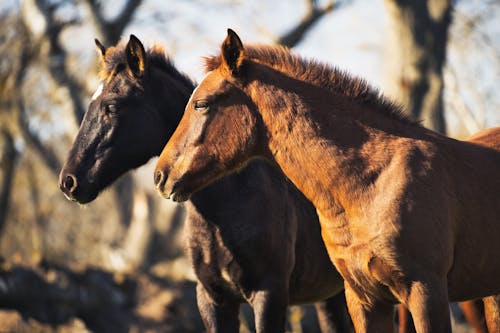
(232, 52)
(136, 56)
(100, 48)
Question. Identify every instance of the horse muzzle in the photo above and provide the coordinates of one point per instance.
(73, 188)
(169, 188)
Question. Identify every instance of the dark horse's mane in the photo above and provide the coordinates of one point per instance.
(155, 57)
(319, 74)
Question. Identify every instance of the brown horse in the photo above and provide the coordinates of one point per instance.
(250, 237)
(407, 215)
(471, 310)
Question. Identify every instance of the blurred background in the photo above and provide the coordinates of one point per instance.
(117, 264)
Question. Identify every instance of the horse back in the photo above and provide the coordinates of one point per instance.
(488, 138)
(475, 174)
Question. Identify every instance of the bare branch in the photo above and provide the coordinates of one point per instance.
(57, 57)
(468, 25)
(94, 8)
(110, 32)
(313, 14)
(119, 24)
(35, 195)
(46, 154)
(15, 117)
(459, 106)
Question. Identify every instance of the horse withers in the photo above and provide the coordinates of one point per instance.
(407, 215)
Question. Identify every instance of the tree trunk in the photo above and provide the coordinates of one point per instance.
(417, 54)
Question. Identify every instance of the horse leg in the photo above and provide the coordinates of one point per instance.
(374, 316)
(405, 320)
(332, 314)
(217, 318)
(469, 308)
(270, 307)
(473, 315)
(492, 313)
(428, 304)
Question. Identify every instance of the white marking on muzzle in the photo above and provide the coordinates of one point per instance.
(98, 92)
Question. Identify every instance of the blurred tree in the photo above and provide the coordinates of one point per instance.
(110, 32)
(418, 32)
(472, 68)
(7, 164)
(35, 42)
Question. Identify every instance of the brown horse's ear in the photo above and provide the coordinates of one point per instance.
(136, 56)
(100, 48)
(232, 52)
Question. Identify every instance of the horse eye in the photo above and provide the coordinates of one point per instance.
(109, 108)
(201, 105)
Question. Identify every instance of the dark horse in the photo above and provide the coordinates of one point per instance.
(251, 237)
(407, 215)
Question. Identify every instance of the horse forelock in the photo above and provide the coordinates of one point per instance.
(319, 74)
(115, 56)
(212, 62)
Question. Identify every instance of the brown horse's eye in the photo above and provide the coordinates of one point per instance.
(201, 105)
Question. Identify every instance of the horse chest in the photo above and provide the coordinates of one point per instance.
(355, 256)
(216, 270)
(369, 278)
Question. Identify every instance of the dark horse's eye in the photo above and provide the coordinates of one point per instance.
(201, 105)
(109, 108)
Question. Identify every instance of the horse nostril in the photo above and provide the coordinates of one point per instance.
(158, 177)
(70, 183)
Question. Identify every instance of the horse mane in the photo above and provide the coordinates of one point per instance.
(155, 58)
(319, 74)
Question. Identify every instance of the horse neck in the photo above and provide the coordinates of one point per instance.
(321, 145)
(169, 91)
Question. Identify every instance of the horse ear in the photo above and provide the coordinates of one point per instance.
(232, 52)
(136, 56)
(100, 48)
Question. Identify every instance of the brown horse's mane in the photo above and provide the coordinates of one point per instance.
(319, 74)
(155, 56)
